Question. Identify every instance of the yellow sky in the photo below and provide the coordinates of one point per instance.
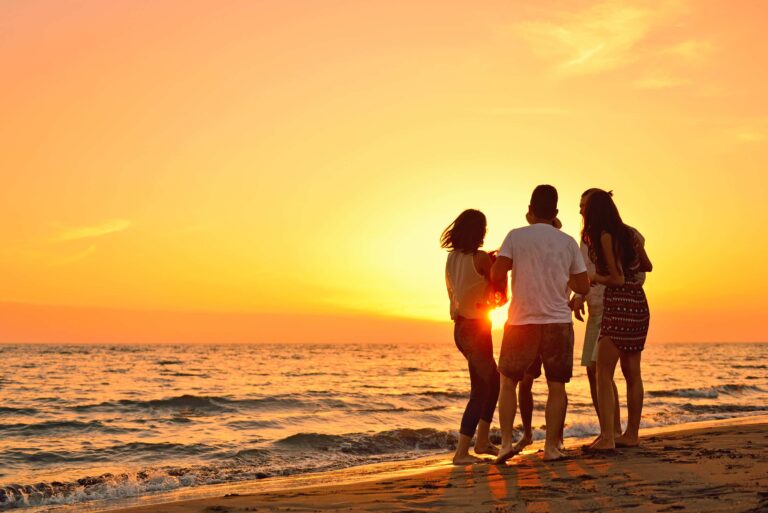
(302, 158)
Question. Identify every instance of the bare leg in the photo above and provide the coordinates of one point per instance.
(507, 410)
(462, 456)
(616, 411)
(630, 366)
(561, 443)
(607, 356)
(557, 401)
(482, 444)
(525, 399)
(592, 377)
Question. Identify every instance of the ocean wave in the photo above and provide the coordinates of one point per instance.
(216, 403)
(4, 410)
(385, 442)
(444, 394)
(59, 427)
(705, 393)
(722, 408)
(111, 486)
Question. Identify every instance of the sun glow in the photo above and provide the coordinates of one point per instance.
(246, 158)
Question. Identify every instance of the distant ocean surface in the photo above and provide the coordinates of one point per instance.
(79, 423)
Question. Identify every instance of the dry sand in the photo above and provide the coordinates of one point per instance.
(718, 467)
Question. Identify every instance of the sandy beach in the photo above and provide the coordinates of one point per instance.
(714, 466)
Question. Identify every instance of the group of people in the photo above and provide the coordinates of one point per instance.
(552, 278)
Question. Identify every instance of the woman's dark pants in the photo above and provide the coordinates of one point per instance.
(473, 338)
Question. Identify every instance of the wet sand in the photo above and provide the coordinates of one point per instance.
(718, 466)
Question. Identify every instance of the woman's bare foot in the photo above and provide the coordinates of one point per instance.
(505, 453)
(627, 441)
(602, 444)
(466, 459)
(521, 444)
(553, 454)
(489, 448)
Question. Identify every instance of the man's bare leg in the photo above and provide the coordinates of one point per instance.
(557, 401)
(483, 444)
(525, 399)
(630, 366)
(507, 410)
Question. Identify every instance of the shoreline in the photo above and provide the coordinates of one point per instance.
(396, 484)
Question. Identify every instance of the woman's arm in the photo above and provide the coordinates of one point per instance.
(645, 262)
(483, 264)
(615, 277)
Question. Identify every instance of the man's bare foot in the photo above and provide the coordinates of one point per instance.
(487, 449)
(521, 444)
(505, 453)
(553, 454)
(466, 460)
(627, 441)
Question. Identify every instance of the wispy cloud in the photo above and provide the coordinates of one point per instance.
(750, 135)
(526, 111)
(89, 232)
(692, 51)
(613, 34)
(592, 40)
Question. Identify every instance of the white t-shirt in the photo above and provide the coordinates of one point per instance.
(543, 260)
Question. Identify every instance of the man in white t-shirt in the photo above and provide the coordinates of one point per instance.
(546, 265)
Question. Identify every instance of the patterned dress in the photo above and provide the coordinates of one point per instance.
(626, 315)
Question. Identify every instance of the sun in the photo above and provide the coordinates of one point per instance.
(498, 316)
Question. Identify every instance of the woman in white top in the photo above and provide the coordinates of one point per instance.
(467, 275)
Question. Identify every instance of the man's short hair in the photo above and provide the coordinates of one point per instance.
(544, 202)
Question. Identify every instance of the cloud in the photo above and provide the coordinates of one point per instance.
(89, 232)
(611, 35)
(526, 111)
(749, 135)
(692, 51)
(596, 39)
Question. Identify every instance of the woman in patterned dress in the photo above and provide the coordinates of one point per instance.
(619, 258)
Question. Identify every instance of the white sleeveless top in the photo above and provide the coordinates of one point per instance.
(467, 289)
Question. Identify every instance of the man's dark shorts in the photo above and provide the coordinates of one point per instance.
(551, 343)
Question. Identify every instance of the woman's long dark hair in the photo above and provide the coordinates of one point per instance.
(466, 233)
(601, 215)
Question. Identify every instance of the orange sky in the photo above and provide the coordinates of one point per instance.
(240, 171)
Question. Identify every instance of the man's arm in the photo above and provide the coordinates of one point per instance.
(499, 271)
(579, 283)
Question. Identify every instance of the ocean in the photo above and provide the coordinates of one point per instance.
(91, 423)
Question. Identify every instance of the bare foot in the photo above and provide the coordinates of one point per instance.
(488, 449)
(627, 441)
(561, 445)
(466, 460)
(521, 444)
(553, 454)
(601, 444)
(505, 453)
